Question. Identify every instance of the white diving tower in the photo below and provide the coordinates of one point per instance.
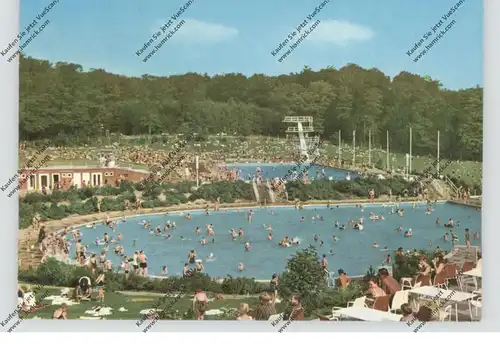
(306, 144)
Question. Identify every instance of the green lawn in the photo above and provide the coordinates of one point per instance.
(133, 304)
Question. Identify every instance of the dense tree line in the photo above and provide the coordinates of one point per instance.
(60, 101)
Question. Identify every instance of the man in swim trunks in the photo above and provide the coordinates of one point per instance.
(143, 265)
(389, 284)
(343, 279)
(192, 257)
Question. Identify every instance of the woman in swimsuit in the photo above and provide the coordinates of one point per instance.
(61, 313)
(274, 287)
(186, 272)
(200, 303)
(93, 262)
(199, 267)
(126, 267)
(425, 271)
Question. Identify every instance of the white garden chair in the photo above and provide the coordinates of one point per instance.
(477, 302)
(400, 298)
(359, 302)
(445, 313)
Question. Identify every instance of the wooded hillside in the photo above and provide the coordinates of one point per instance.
(62, 103)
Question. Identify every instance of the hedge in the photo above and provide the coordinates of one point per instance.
(55, 273)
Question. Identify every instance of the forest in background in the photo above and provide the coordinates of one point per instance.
(61, 103)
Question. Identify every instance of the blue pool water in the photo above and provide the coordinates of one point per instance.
(353, 252)
(269, 171)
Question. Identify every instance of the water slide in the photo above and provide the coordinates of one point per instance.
(255, 190)
(272, 196)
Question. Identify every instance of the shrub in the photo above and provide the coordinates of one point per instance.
(304, 275)
(242, 286)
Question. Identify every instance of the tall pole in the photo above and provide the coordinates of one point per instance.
(197, 171)
(387, 150)
(353, 147)
(370, 148)
(411, 141)
(340, 147)
(438, 158)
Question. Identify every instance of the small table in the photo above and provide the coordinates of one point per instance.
(446, 295)
(476, 272)
(368, 314)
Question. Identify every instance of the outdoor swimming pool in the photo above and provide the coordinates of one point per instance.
(353, 252)
(269, 171)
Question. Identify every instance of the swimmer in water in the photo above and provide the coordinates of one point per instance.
(249, 215)
(211, 256)
(241, 267)
(270, 236)
(197, 231)
(374, 245)
(321, 243)
(203, 241)
(331, 253)
(248, 247)
(268, 227)
(430, 243)
(233, 234)
(315, 238)
(438, 221)
(134, 242)
(241, 233)
(336, 224)
(302, 219)
(476, 236)
(335, 239)
(119, 237)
